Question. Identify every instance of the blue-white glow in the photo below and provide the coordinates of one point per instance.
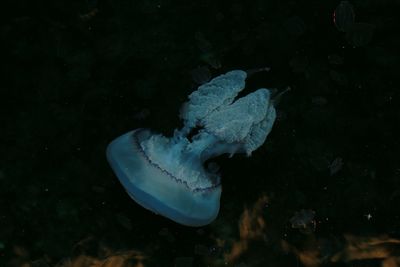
(167, 175)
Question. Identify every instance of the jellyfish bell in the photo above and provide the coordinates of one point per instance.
(152, 186)
(172, 176)
(343, 16)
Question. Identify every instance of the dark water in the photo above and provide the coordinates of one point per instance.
(324, 190)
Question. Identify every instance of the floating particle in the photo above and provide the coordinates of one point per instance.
(304, 221)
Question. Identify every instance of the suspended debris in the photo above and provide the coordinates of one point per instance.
(304, 221)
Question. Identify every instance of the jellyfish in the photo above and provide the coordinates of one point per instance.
(168, 175)
(343, 16)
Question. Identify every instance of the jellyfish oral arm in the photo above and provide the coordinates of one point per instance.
(167, 175)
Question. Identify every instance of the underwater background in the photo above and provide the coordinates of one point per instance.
(323, 190)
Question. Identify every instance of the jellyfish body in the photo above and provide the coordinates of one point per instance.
(343, 16)
(167, 175)
(154, 188)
